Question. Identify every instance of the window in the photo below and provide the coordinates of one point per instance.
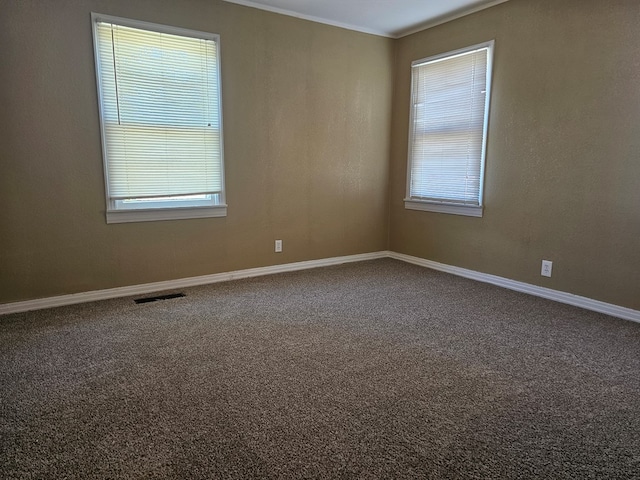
(448, 131)
(161, 120)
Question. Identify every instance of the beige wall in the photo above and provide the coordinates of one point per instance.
(308, 131)
(563, 161)
(307, 111)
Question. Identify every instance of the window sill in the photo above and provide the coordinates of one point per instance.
(451, 208)
(158, 214)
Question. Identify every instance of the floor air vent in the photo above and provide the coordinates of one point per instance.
(159, 297)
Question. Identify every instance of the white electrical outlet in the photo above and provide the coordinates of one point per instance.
(547, 266)
(278, 246)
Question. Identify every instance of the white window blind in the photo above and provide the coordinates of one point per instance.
(160, 111)
(449, 112)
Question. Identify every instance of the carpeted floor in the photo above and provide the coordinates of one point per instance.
(372, 370)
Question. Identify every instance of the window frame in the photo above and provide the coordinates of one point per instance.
(444, 206)
(168, 208)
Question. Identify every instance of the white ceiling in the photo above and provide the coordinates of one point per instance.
(389, 18)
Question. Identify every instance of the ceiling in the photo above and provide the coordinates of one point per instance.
(388, 18)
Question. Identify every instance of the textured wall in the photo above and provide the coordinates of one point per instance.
(563, 160)
(307, 111)
(307, 116)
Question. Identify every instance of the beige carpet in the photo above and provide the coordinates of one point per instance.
(371, 370)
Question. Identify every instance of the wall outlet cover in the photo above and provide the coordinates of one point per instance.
(547, 267)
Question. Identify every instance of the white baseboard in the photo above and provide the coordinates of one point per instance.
(92, 296)
(562, 297)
